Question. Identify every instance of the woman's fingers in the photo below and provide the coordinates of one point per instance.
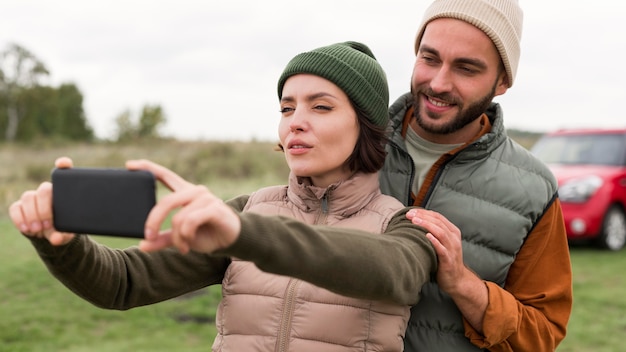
(202, 222)
(199, 221)
(193, 224)
(44, 205)
(17, 217)
(168, 177)
(159, 242)
(30, 216)
(63, 163)
(168, 204)
(58, 238)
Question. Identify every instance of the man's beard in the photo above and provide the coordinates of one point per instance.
(464, 117)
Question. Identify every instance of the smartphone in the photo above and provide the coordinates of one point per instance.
(102, 201)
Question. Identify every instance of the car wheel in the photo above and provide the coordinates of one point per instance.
(613, 234)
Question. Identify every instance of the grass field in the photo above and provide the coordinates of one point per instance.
(598, 321)
(39, 314)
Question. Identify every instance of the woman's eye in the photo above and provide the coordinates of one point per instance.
(286, 109)
(322, 107)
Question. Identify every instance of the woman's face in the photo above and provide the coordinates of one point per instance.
(318, 129)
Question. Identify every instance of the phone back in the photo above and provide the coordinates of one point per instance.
(102, 201)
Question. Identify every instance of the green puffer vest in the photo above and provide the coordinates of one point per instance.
(495, 191)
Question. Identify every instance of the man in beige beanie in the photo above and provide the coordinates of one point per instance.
(504, 281)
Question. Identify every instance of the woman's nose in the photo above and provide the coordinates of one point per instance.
(298, 120)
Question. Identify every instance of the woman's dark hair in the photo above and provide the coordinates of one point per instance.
(369, 152)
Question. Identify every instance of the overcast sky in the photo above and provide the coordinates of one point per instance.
(213, 65)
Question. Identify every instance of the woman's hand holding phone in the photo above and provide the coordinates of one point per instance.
(122, 202)
(32, 213)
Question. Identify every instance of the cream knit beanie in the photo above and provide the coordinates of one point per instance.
(501, 20)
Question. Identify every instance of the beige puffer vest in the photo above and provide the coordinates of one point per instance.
(267, 312)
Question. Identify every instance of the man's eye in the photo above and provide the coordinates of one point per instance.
(285, 110)
(467, 70)
(428, 59)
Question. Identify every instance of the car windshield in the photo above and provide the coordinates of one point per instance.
(594, 149)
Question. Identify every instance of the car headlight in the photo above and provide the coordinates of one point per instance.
(580, 189)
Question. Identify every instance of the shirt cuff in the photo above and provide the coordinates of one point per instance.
(500, 320)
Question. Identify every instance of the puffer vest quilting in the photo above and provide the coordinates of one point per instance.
(491, 187)
(266, 312)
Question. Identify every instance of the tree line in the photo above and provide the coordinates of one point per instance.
(31, 109)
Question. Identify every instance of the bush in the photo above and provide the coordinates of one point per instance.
(250, 165)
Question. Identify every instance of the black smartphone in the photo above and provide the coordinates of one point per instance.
(102, 201)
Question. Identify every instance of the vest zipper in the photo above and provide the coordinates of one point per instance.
(321, 218)
(282, 343)
(433, 184)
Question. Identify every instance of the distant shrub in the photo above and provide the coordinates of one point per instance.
(234, 167)
(234, 162)
(37, 172)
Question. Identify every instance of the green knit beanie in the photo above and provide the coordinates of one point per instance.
(353, 68)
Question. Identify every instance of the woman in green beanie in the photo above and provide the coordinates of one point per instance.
(288, 285)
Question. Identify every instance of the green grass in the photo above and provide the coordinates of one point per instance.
(40, 314)
(598, 321)
(37, 313)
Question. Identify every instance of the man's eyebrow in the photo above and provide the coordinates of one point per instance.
(473, 62)
(461, 60)
(428, 49)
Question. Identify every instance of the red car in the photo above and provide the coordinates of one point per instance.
(590, 166)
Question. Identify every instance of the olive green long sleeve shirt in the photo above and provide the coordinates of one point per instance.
(338, 259)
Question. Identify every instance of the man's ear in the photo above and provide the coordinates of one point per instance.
(503, 83)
